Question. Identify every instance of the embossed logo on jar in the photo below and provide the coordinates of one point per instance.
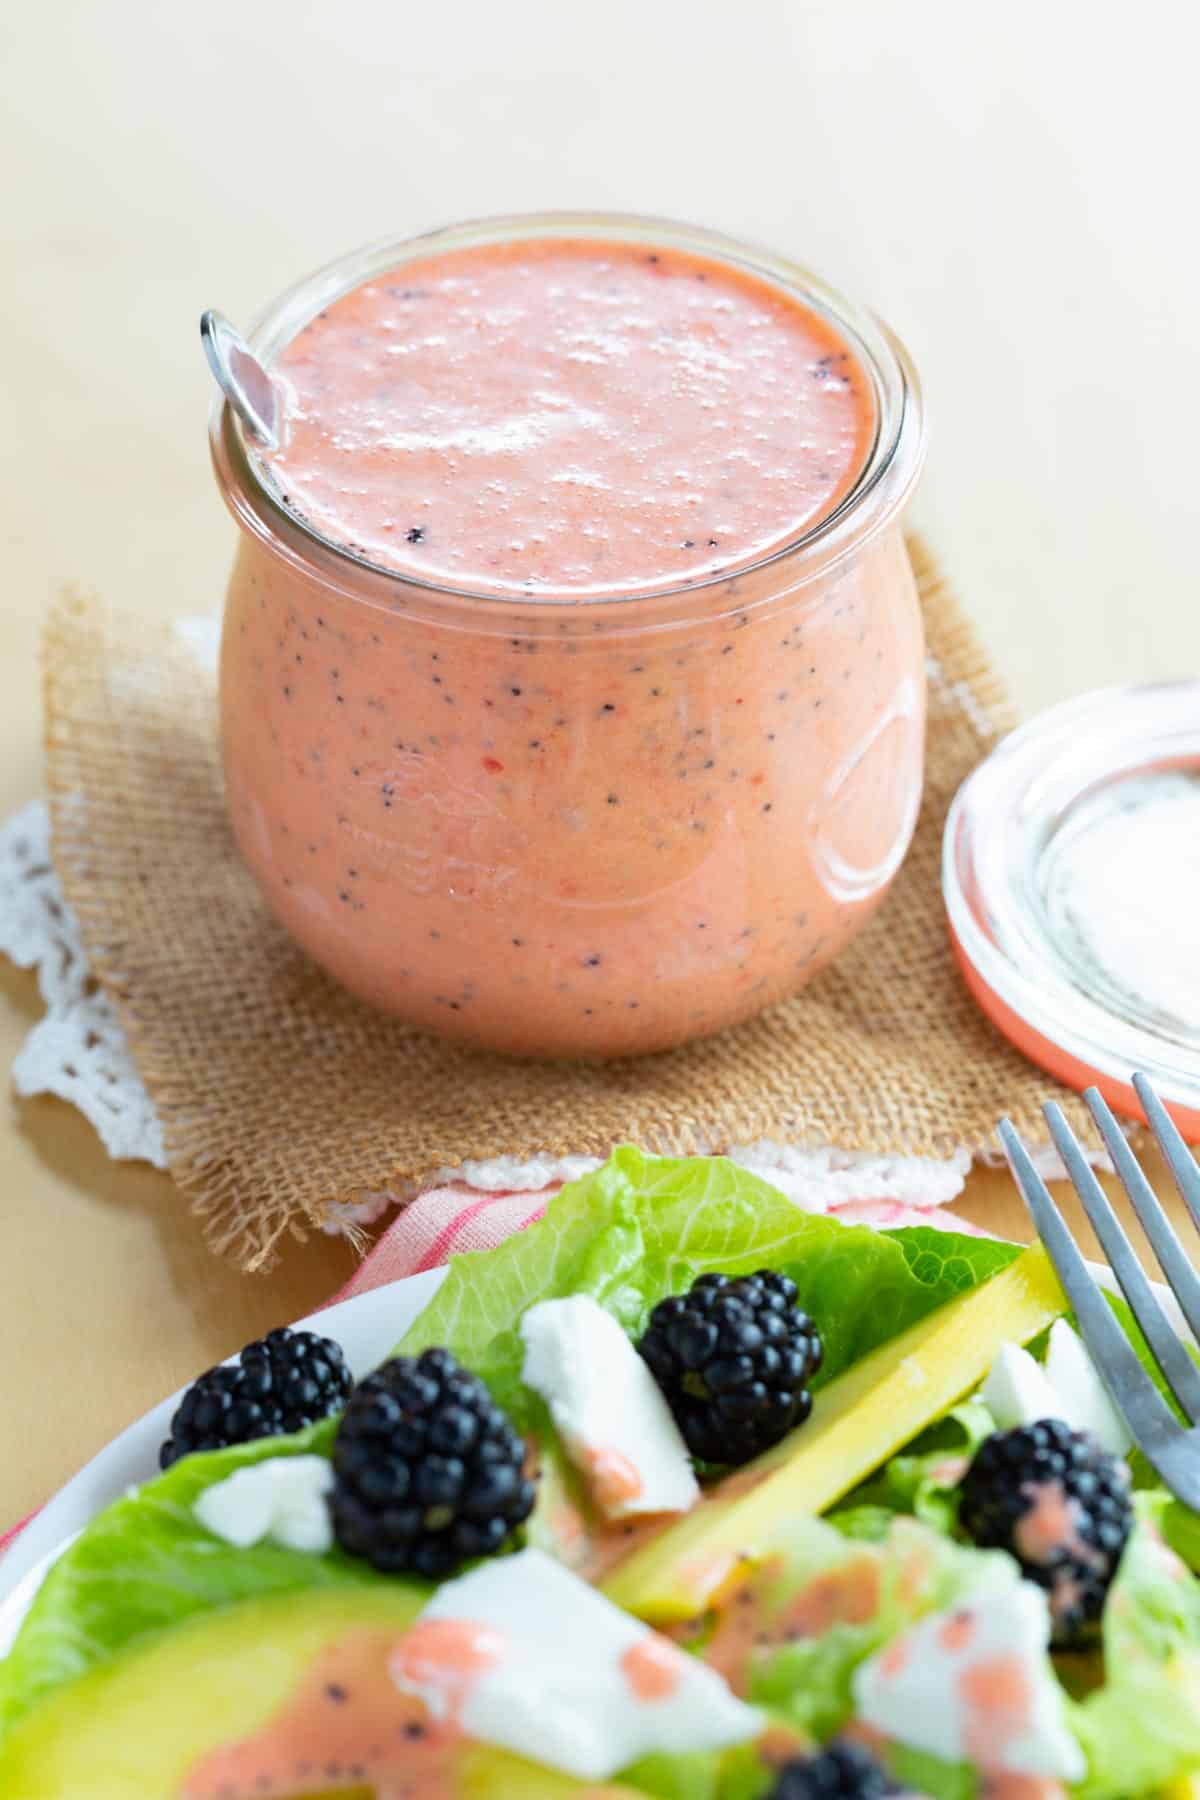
(861, 825)
(414, 821)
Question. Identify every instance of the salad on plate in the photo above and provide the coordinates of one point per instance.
(680, 1492)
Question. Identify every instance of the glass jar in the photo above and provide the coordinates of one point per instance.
(736, 767)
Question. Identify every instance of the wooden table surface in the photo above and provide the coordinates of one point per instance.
(1011, 191)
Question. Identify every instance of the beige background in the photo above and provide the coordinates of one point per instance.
(1013, 188)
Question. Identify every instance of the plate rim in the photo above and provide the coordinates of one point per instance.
(366, 1325)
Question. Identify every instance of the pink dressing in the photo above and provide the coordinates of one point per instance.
(346, 1726)
(568, 415)
(544, 826)
(999, 1703)
(848, 1595)
(896, 1658)
(652, 1667)
(615, 1481)
(445, 1658)
(956, 1634)
(950, 1471)
(1049, 1533)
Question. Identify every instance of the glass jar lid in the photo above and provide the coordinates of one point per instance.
(1071, 878)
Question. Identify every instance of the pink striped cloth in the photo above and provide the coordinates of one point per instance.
(447, 1221)
(16, 1530)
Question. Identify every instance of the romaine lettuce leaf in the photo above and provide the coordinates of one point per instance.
(1181, 1528)
(917, 1772)
(638, 1229)
(643, 1227)
(145, 1564)
(923, 1480)
(952, 1261)
(805, 1676)
(810, 1681)
(1145, 1355)
(743, 1773)
(694, 1776)
(1141, 1730)
(864, 1521)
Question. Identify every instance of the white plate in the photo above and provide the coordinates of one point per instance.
(366, 1327)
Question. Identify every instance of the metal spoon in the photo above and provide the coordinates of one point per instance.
(241, 377)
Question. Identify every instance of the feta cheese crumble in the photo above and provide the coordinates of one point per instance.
(1021, 1391)
(282, 1499)
(975, 1685)
(523, 1655)
(607, 1408)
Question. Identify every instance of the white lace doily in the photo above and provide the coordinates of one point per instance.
(78, 1051)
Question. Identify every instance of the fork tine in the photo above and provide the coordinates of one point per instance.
(1174, 1361)
(1176, 1264)
(1145, 1412)
(1179, 1157)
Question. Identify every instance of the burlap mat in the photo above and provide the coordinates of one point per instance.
(280, 1095)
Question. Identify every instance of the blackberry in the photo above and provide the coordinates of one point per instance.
(733, 1357)
(280, 1383)
(428, 1471)
(842, 1771)
(1058, 1503)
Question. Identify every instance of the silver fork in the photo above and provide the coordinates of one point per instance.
(1172, 1448)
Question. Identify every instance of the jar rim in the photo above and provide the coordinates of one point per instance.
(883, 483)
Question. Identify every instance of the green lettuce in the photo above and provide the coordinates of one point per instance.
(738, 1774)
(1145, 1355)
(146, 1564)
(804, 1688)
(917, 1772)
(1141, 1731)
(644, 1227)
(691, 1776)
(638, 1229)
(1177, 1522)
(1181, 1528)
(923, 1480)
(808, 1679)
